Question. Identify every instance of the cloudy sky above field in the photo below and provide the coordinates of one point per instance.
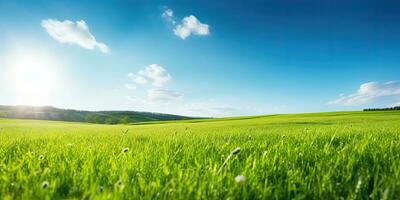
(201, 58)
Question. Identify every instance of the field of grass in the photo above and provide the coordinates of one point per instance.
(342, 155)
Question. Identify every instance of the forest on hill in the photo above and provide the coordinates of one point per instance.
(99, 117)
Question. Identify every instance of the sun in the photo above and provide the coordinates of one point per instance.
(32, 76)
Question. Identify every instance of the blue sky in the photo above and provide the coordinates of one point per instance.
(202, 58)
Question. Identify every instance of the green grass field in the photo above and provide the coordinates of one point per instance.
(342, 155)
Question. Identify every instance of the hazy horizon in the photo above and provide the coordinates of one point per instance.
(204, 116)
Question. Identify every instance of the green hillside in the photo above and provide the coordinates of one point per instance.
(338, 155)
(99, 117)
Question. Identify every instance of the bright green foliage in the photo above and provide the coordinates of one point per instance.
(350, 155)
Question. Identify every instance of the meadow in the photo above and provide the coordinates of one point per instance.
(338, 155)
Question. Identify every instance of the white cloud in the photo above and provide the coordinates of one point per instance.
(370, 92)
(161, 95)
(69, 32)
(168, 15)
(137, 78)
(153, 78)
(189, 25)
(157, 74)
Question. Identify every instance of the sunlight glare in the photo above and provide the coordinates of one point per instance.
(32, 76)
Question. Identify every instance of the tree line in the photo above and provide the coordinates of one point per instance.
(99, 117)
(383, 109)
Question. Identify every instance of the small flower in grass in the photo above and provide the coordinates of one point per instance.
(45, 184)
(125, 150)
(236, 151)
(118, 183)
(41, 157)
(240, 179)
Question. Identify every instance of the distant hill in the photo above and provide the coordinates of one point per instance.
(99, 117)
